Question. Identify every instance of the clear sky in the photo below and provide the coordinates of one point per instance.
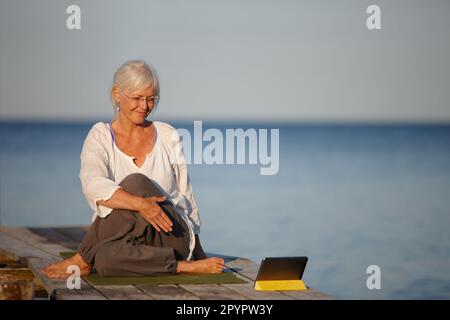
(230, 60)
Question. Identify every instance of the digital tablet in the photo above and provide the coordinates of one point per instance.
(281, 268)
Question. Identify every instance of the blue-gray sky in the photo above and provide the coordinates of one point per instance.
(230, 60)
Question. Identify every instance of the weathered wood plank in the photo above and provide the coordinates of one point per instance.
(15, 249)
(52, 235)
(167, 292)
(212, 292)
(243, 266)
(123, 292)
(247, 290)
(16, 274)
(39, 290)
(34, 240)
(16, 290)
(312, 294)
(4, 261)
(34, 256)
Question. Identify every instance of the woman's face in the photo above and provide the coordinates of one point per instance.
(135, 105)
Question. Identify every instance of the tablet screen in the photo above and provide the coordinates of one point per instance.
(282, 268)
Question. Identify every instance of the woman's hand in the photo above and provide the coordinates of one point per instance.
(154, 214)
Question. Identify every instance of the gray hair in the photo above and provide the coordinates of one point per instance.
(134, 75)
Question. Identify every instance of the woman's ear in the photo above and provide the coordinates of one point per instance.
(116, 93)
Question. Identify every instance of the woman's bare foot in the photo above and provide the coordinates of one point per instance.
(209, 265)
(58, 270)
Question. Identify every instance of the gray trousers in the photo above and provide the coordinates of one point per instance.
(125, 244)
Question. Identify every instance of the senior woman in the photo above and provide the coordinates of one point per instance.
(135, 178)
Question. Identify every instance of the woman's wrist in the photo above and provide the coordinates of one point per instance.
(139, 203)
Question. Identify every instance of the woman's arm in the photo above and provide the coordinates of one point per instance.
(103, 194)
(147, 207)
(122, 199)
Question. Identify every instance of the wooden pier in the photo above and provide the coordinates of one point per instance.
(25, 251)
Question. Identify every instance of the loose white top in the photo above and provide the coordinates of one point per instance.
(104, 165)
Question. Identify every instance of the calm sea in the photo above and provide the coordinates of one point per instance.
(346, 196)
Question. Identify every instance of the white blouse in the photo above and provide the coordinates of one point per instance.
(104, 165)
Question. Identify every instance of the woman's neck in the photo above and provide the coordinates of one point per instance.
(129, 128)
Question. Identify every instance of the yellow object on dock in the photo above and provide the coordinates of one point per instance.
(280, 285)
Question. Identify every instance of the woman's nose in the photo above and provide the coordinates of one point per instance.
(143, 102)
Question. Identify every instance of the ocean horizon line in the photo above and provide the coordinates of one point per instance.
(219, 122)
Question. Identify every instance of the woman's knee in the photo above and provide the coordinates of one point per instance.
(141, 185)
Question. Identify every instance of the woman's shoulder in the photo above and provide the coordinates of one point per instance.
(164, 126)
(100, 126)
(99, 131)
(166, 131)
